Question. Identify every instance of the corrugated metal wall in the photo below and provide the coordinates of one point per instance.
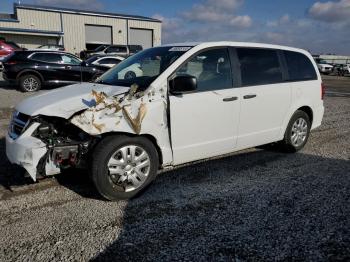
(74, 26)
(36, 20)
(74, 30)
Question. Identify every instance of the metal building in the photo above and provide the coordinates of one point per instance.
(32, 25)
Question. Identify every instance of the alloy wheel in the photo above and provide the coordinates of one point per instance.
(30, 84)
(129, 168)
(299, 132)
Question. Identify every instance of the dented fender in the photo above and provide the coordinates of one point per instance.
(134, 112)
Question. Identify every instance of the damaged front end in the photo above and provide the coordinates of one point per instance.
(46, 145)
(67, 145)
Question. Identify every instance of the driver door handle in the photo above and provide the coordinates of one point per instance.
(228, 99)
(68, 67)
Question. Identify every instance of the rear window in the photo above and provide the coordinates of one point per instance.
(47, 57)
(259, 66)
(299, 67)
(18, 55)
(116, 49)
(135, 48)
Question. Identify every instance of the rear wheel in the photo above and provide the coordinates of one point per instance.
(29, 83)
(297, 132)
(123, 166)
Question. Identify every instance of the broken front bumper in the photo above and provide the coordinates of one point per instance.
(26, 150)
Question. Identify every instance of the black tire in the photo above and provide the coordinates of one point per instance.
(130, 75)
(25, 80)
(103, 153)
(287, 143)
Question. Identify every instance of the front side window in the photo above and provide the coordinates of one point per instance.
(299, 66)
(142, 68)
(212, 69)
(259, 66)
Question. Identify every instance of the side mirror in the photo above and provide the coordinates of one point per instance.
(183, 84)
(83, 63)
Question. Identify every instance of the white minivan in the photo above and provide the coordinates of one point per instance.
(191, 102)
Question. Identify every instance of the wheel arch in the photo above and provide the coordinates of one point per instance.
(308, 111)
(302, 107)
(30, 72)
(148, 136)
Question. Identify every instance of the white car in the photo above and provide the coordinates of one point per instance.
(108, 61)
(324, 67)
(192, 102)
(132, 71)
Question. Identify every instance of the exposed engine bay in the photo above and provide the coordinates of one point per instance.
(67, 145)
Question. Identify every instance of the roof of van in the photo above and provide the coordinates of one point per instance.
(241, 44)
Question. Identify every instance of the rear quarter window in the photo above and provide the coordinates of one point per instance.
(299, 67)
(18, 56)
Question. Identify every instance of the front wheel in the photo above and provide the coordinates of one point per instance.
(123, 166)
(297, 133)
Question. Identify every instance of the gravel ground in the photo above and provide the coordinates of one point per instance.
(10, 96)
(253, 205)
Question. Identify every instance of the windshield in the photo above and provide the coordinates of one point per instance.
(100, 48)
(92, 59)
(142, 68)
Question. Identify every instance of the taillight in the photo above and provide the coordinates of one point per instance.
(11, 62)
(323, 90)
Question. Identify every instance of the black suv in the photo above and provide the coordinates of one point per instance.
(33, 69)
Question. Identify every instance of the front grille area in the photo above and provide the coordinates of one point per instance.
(18, 124)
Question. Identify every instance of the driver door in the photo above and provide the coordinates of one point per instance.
(204, 123)
(70, 68)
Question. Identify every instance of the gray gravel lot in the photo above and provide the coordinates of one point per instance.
(253, 205)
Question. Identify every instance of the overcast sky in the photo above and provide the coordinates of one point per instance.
(318, 26)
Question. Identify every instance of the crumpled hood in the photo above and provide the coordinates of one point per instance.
(64, 102)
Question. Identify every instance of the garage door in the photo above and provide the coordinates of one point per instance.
(143, 37)
(95, 34)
